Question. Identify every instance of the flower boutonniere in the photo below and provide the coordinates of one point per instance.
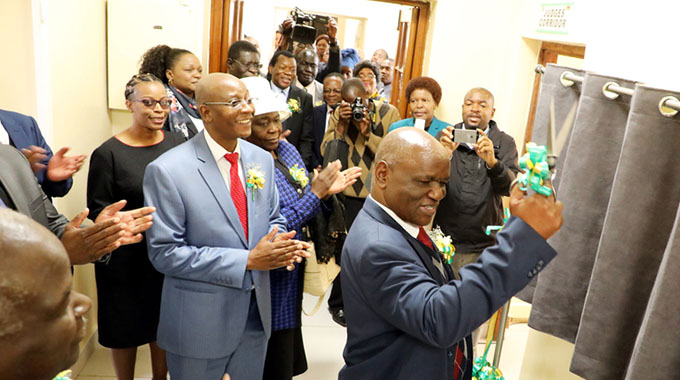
(299, 175)
(443, 244)
(293, 105)
(254, 178)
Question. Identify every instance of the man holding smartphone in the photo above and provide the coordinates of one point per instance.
(481, 174)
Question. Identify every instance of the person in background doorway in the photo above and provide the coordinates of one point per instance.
(322, 43)
(300, 199)
(386, 75)
(282, 69)
(43, 320)
(378, 57)
(363, 137)
(369, 74)
(307, 63)
(128, 287)
(253, 41)
(350, 57)
(321, 114)
(480, 175)
(424, 95)
(243, 60)
(180, 71)
(53, 171)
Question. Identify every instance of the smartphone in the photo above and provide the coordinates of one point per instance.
(465, 136)
(420, 123)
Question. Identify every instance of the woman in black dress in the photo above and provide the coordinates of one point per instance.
(128, 287)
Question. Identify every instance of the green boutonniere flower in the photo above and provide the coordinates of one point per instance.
(299, 175)
(443, 244)
(293, 105)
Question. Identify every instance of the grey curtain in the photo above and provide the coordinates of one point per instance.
(556, 106)
(639, 220)
(586, 179)
(658, 344)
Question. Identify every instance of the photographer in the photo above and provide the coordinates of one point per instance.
(481, 174)
(299, 32)
(361, 123)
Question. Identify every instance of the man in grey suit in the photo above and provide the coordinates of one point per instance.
(407, 316)
(20, 191)
(214, 238)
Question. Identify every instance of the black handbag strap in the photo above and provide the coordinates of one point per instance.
(286, 173)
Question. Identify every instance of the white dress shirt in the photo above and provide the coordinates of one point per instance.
(4, 136)
(280, 93)
(218, 153)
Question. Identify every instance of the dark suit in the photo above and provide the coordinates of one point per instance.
(403, 321)
(300, 124)
(24, 193)
(23, 132)
(318, 130)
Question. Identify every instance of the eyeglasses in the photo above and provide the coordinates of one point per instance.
(249, 65)
(364, 76)
(235, 103)
(151, 103)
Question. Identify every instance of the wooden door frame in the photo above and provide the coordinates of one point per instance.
(226, 17)
(548, 54)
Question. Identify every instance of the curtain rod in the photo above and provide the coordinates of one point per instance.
(668, 106)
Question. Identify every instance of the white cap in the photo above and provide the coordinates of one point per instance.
(266, 101)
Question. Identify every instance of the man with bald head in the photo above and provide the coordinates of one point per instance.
(307, 64)
(481, 174)
(42, 320)
(407, 316)
(214, 239)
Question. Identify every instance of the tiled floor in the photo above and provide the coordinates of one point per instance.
(324, 342)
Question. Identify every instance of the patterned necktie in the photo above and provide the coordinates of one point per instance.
(238, 195)
(423, 238)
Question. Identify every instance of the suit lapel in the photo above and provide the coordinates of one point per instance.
(10, 183)
(207, 168)
(374, 210)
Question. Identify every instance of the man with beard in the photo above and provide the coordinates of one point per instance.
(307, 64)
(332, 90)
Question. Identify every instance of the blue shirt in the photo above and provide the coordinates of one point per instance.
(298, 210)
(435, 127)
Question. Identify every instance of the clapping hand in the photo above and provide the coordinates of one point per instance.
(276, 251)
(136, 221)
(35, 155)
(61, 167)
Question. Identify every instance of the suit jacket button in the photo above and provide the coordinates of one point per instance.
(530, 275)
(540, 263)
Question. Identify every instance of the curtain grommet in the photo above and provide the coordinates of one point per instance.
(607, 92)
(665, 110)
(564, 81)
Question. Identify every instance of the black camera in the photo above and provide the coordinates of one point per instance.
(307, 26)
(358, 108)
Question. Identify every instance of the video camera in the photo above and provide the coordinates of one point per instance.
(307, 26)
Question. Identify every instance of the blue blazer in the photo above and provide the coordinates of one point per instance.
(24, 132)
(435, 127)
(197, 242)
(402, 320)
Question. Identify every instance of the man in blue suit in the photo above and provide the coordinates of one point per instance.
(54, 171)
(407, 317)
(214, 238)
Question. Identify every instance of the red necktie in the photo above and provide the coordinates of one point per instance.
(423, 238)
(237, 193)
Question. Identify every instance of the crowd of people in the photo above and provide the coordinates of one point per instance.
(202, 209)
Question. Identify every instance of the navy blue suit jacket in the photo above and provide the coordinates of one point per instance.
(318, 130)
(23, 132)
(402, 320)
